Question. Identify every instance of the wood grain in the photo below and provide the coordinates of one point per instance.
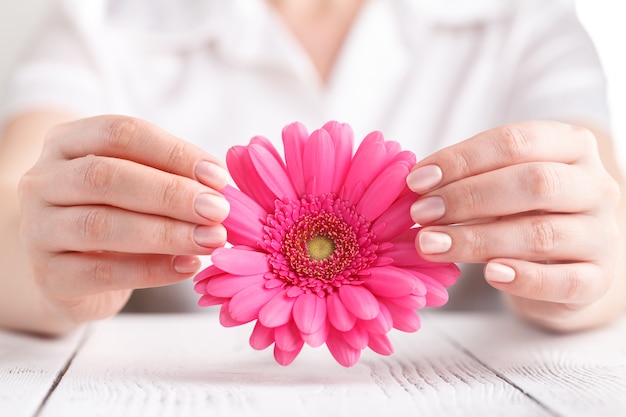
(190, 366)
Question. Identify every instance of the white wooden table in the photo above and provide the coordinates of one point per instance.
(187, 365)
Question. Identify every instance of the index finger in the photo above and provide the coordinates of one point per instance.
(501, 147)
(135, 140)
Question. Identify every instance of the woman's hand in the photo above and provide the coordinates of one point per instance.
(107, 207)
(534, 202)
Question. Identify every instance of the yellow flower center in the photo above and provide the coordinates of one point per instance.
(320, 247)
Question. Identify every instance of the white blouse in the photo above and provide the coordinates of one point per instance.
(217, 72)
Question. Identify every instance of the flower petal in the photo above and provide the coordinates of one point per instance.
(294, 137)
(343, 353)
(389, 281)
(272, 172)
(227, 285)
(319, 163)
(343, 140)
(208, 300)
(246, 304)
(240, 262)
(261, 337)
(338, 314)
(357, 337)
(412, 301)
(309, 312)
(286, 357)
(381, 324)
(244, 223)
(359, 301)
(404, 319)
(380, 344)
(383, 191)
(247, 178)
(318, 337)
(226, 319)
(277, 311)
(288, 337)
(396, 219)
(367, 163)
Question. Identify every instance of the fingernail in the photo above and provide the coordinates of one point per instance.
(424, 178)
(210, 236)
(428, 209)
(212, 207)
(186, 264)
(212, 174)
(434, 242)
(496, 272)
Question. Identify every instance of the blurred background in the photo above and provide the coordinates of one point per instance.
(605, 21)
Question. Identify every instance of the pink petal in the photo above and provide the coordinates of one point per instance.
(247, 178)
(286, 357)
(392, 149)
(380, 344)
(272, 172)
(383, 191)
(277, 311)
(227, 285)
(208, 272)
(343, 353)
(343, 139)
(288, 337)
(412, 301)
(338, 314)
(226, 319)
(367, 163)
(446, 273)
(267, 144)
(319, 163)
(359, 301)
(208, 300)
(389, 281)
(357, 337)
(244, 223)
(240, 262)
(404, 319)
(261, 337)
(294, 138)
(246, 304)
(381, 324)
(436, 293)
(309, 312)
(318, 337)
(396, 219)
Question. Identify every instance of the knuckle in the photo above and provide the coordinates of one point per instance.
(167, 235)
(542, 181)
(515, 142)
(119, 132)
(170, 193)
(543, 236)
(94, 224)
(177, 155)
(478, 241)
(97, 172)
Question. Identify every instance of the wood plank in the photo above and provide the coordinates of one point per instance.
(582, 374)
(188, 365)
(29, 366)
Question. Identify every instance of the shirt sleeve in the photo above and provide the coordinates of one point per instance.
(557, 74)
(58, 70)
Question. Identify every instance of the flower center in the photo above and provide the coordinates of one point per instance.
(318, 243)
(320, 247)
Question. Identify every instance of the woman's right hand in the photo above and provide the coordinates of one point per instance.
(113, 204)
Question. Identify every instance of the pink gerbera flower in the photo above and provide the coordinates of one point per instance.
(323, 245)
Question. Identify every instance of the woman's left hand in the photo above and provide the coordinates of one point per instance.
(534, 202)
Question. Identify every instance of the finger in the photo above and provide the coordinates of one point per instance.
(553, 187)
(136, 140)
(103, 228)
(540, 237)
(500, 147)
(92, 273)
(125, 184)
(575, 283)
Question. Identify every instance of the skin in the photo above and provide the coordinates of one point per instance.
(88, 215)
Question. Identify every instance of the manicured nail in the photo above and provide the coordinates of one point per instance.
(186, 264)
(434, 242)
(212, 207)
(210, 236)
(424, 178)
(496, 272)
(212, 174)
(428, 210)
